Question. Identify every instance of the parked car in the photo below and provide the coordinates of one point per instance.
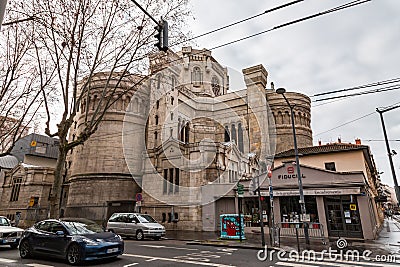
(135, 225)
(75, 240)
(9, 235)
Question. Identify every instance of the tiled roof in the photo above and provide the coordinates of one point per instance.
(329, 148)
(8, 162)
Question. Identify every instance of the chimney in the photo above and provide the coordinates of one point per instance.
(339, 140)
(319, 142)
(358, 141)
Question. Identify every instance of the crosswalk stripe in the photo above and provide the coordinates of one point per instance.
(337, 261)
(294, 264)
(7, 260)
(38, 265)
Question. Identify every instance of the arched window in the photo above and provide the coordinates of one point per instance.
(215, 86)
(233, 133)
(226, 134)
(172, 100)
(156, 118)
(187, 129)
(158, 81)
(173, 82)
(157, 104)
(197, 76)
(240, 138)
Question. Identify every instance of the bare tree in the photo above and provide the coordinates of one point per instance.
(76, 40)
(19, 91)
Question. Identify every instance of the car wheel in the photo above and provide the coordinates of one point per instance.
(13, 245)
(25, 250)
(156, 238)
(139, 235)
(74, 255)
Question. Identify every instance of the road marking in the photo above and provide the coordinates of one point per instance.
(38, 265)
(154, 246)
(364, 263)
(132, 264)
(293, 264)
(178, 260)
(153, 259)
(7, 260)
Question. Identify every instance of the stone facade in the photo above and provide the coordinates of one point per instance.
(186, 141)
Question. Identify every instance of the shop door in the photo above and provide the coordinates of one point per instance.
(343, 217)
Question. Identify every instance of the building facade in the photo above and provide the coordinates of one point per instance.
(340, 185)
(181, 140)
(26, 187)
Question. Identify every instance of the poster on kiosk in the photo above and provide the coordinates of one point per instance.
(230, 227)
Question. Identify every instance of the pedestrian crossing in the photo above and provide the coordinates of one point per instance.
(384, 261)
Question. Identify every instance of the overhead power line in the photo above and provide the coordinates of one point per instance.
(354, 120)
(240, 21)
(379, 90)
(359, 87)
(338, 8)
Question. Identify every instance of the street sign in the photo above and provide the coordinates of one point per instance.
(269, 171)
(240, 190)
(139, 197)
(353, 207)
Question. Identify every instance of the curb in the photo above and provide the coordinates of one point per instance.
(222, 244)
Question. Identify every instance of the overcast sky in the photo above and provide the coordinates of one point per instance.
(351, 47)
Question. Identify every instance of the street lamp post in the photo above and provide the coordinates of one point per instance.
(396, 186)
(299, 178)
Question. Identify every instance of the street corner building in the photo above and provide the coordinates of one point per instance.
(341, 190)
(181, 139)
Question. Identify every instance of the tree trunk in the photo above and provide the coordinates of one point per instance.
(56, 191)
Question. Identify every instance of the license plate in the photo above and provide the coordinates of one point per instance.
(112, 250)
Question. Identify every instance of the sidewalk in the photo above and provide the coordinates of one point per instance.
(388, 241)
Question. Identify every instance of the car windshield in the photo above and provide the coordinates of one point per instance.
(79, 228)
(4, 222)
(144, 218)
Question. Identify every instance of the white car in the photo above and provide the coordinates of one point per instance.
(9, 235)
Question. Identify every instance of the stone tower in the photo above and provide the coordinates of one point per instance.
(302, 117)
(99, 180)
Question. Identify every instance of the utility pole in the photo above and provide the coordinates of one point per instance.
(299, 178)
(396, 186)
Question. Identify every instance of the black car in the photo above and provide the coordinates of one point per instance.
(75, 240)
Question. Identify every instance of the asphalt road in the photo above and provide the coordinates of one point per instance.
(151, 253)
(179, 253)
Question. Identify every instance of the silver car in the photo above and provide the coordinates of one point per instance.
(9, 235)
(135, 225)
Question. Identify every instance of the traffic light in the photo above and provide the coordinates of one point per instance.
(162, 35)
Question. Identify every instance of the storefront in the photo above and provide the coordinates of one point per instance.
(338, 201)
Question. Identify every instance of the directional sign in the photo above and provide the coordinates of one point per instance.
(240, 190)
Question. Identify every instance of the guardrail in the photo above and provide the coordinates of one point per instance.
(296, 229)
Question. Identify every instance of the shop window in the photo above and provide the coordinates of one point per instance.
(169, 217)
(330, 166)
(290, 209)
(164, 217)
